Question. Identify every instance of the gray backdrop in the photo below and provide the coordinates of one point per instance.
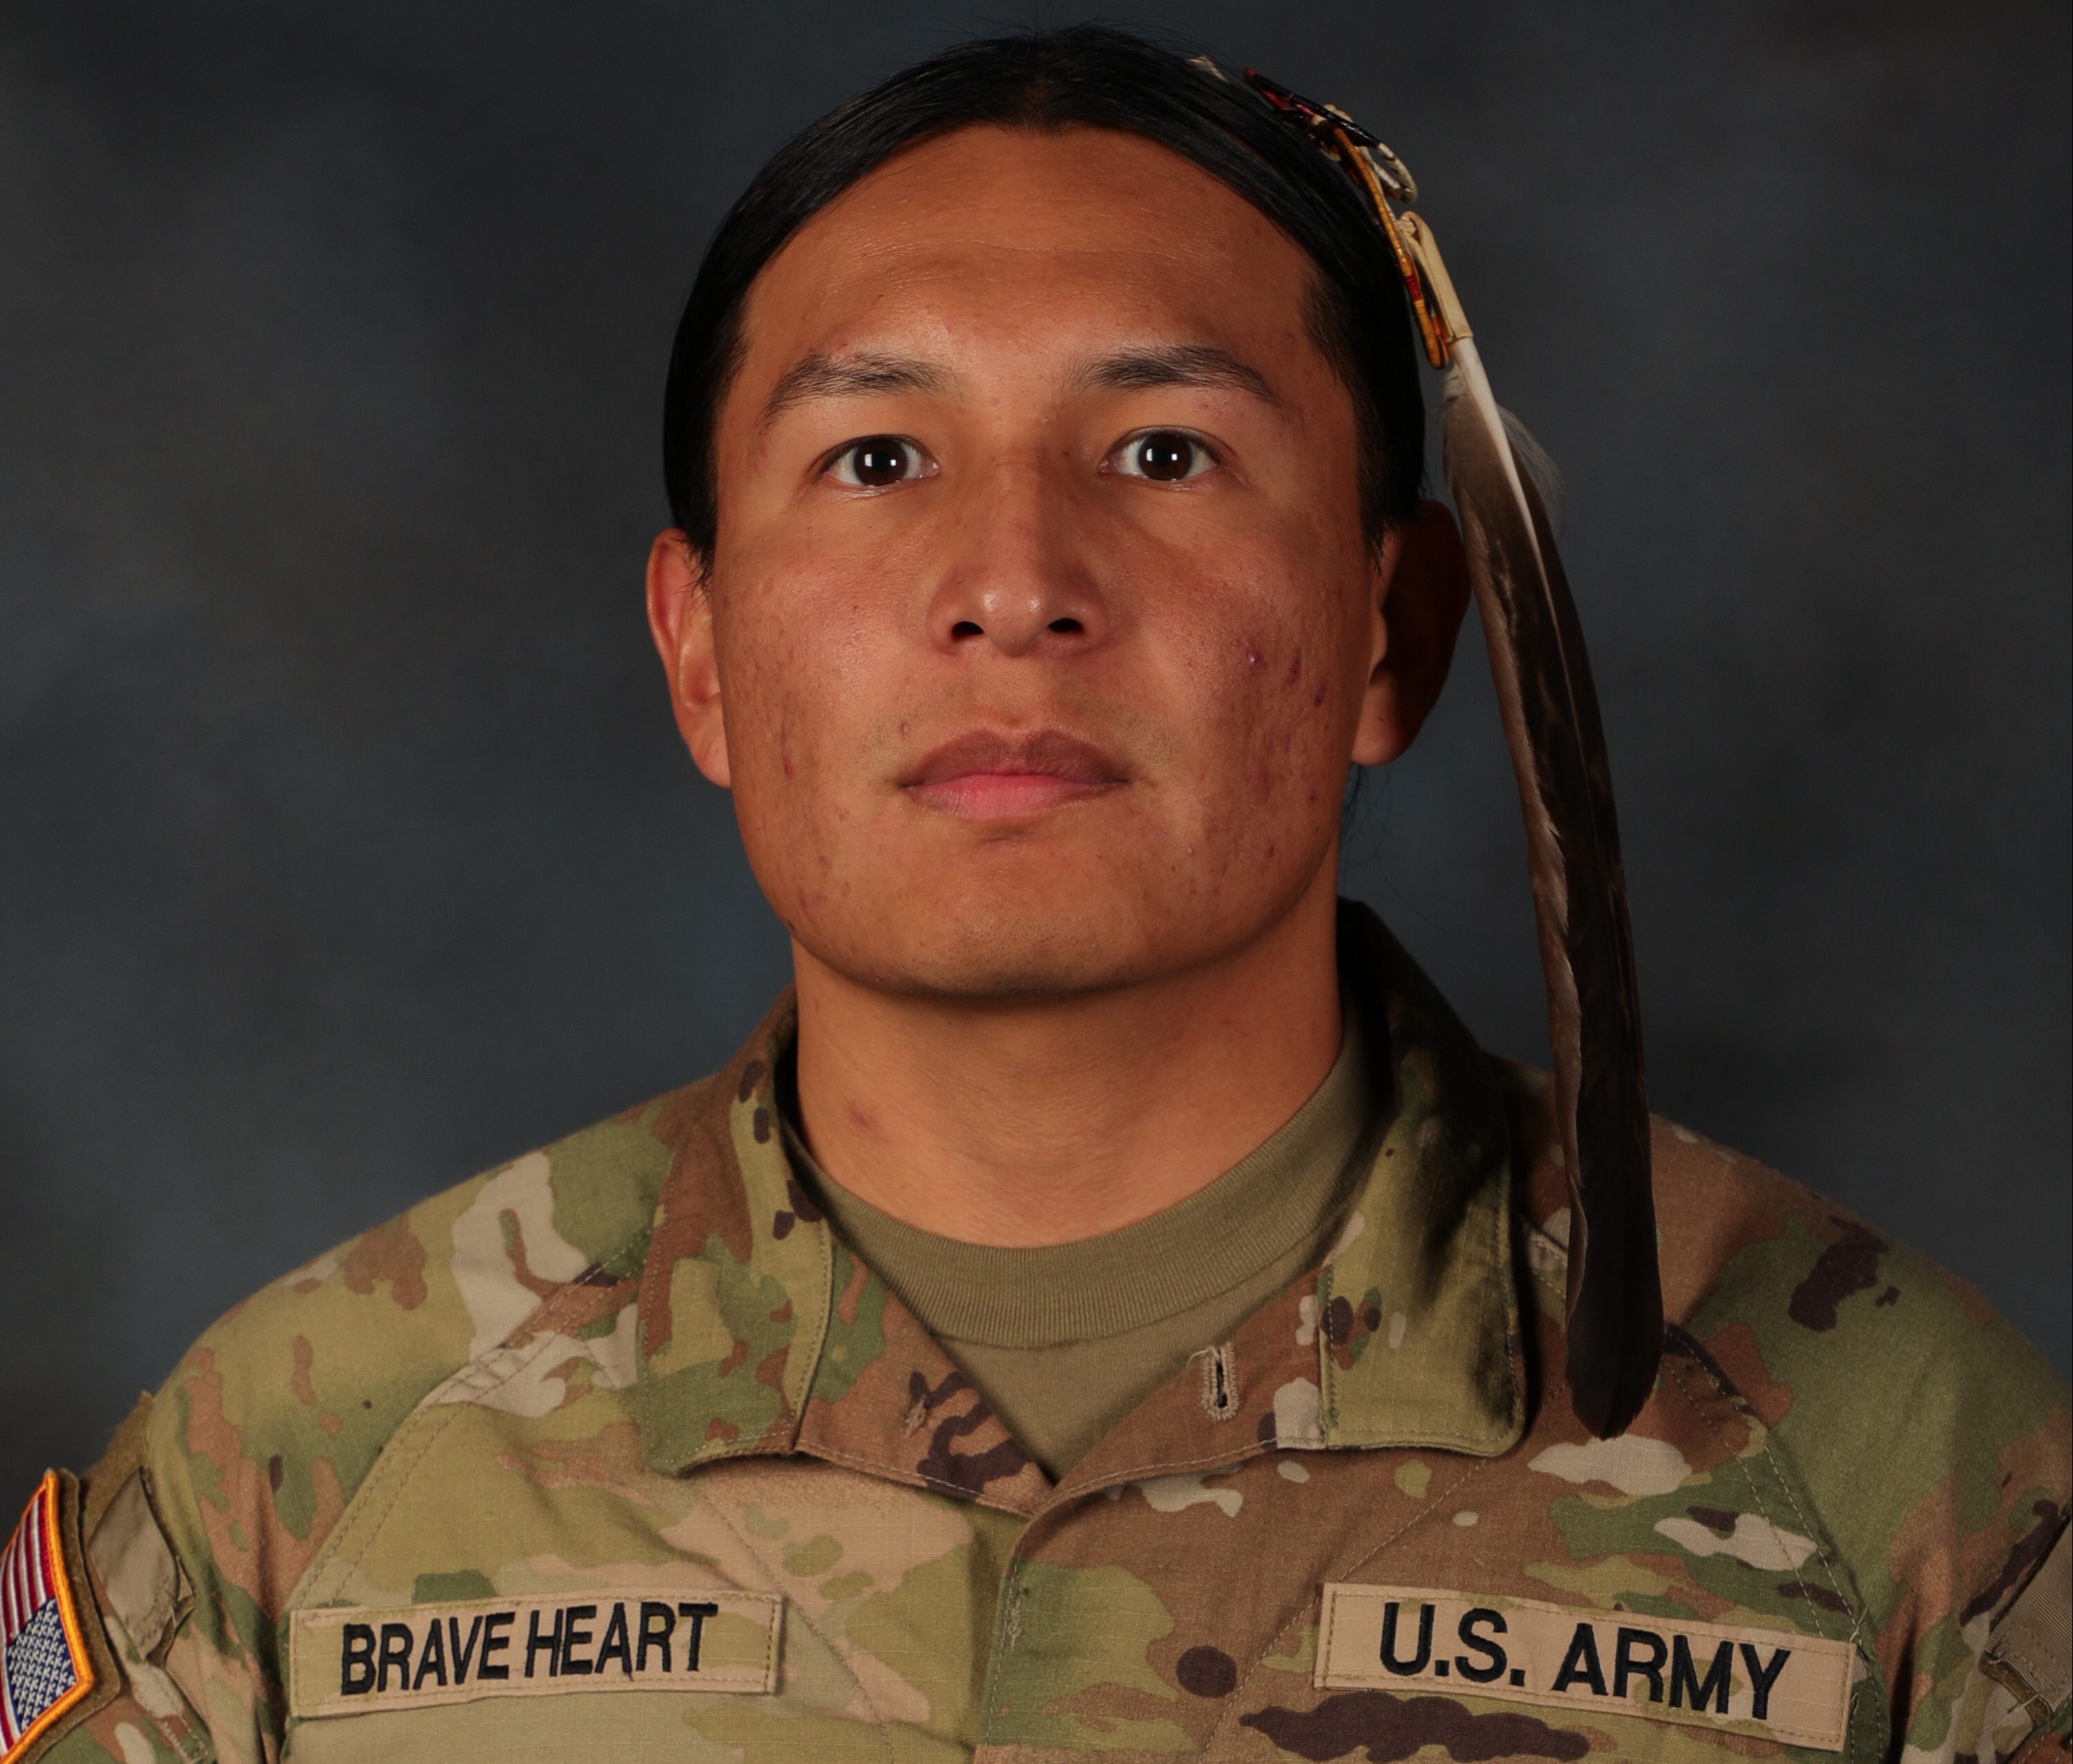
(345, 844)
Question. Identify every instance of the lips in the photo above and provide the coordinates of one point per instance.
(988, 776)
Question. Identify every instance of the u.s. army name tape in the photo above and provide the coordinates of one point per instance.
(355, 1659)
(1774, 1684)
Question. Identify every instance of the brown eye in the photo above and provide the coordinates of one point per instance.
(877, 461)
(1166, 457)
(1163, 456)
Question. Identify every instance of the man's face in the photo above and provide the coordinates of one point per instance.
(1042, 623)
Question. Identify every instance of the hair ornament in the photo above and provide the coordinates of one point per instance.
(1551, 724)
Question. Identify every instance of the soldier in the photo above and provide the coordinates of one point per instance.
(1111, 1306)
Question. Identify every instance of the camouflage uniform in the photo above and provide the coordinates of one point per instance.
(615, 1452)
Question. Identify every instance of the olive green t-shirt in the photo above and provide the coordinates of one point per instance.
(1065, 1340)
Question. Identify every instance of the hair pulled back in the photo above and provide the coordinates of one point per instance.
(1091, 76)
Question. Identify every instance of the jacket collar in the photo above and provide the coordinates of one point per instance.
(735, 1294)
(1417, 1306)
(759, 1332)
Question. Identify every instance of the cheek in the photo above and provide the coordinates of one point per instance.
(780, 792)
(787, 665)
(814, 678)
(793, 632)
(1281, 698)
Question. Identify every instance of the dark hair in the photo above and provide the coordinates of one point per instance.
(1083, 77)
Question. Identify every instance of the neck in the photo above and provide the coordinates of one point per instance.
(1025, 1122)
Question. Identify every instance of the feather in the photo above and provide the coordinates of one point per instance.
(1502, 485)
(1614, 1303)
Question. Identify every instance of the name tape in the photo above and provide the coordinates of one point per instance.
(351, 1660)
(1769, 1682)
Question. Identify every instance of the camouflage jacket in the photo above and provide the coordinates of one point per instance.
(616, 1452)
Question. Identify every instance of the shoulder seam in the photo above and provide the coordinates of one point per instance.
(1825, 1548)
(546, 1312)
(1818, 1532)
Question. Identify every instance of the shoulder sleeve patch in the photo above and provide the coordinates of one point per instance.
(2030, 1650)
(49, 1667)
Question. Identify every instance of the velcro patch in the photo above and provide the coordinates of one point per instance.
(351, 1660)
(45, 1664)
(1773, 1684)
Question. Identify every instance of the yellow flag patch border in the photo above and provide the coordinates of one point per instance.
(37, 1597)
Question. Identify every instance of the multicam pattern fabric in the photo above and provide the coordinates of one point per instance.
(637, 1369)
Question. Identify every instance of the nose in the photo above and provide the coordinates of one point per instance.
(1018, 579)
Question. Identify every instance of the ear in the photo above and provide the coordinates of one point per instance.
(1419, 586)
(680, 618)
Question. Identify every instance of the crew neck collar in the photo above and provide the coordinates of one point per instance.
(755, 1317)
(1284, 1191)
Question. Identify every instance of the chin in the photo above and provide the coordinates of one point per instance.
(1002, 953)
(1035, 968)
(991, 948)
(1027, 919)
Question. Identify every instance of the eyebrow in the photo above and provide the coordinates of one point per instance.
(820, 375)
(1177, 364)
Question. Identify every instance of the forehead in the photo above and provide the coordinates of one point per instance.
(1045, 236)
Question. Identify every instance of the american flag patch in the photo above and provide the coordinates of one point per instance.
(44, 1665)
